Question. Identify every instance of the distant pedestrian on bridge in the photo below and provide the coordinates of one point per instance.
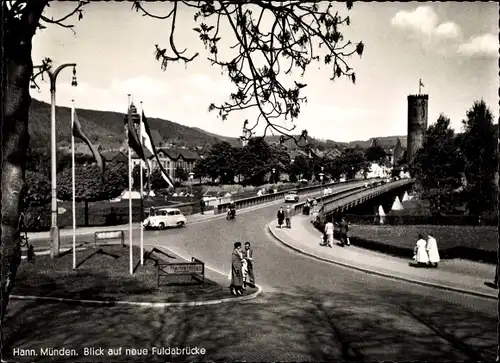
(237, 270)
(281, 216)
(288, 217)
(248, 256)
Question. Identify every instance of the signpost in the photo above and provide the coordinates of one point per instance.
(195, 269)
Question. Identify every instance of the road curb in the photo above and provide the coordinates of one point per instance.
(140, 303)
(251, 296)
(377, 273)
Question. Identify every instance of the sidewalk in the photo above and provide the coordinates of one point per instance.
(457, 275)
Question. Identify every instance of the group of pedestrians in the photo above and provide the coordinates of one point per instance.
(286, 216)
(426, 253)
(328, 233)
(242, 268)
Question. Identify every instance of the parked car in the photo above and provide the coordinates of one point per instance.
(291, 196)
(165, 217)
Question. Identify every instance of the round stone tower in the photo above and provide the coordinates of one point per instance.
(417, 123)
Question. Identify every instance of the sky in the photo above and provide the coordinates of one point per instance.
(451, 46)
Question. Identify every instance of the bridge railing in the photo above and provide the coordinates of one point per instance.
(298, 208)
(342, 204)
(251, 201)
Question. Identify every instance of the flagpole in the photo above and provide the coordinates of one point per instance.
(130, 196)
(73, 187)
(142, 188)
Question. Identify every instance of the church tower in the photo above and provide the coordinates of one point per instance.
(417, 123)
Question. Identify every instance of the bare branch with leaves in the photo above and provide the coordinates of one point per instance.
(265, 52)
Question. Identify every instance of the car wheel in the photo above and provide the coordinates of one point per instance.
(161, 226)
(181, 224)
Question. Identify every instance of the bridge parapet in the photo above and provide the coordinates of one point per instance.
(342, 204)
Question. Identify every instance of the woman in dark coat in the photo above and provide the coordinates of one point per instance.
(236, 270)
(281, 216)
(248, 256)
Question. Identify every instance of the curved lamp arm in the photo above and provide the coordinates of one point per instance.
(53, 75)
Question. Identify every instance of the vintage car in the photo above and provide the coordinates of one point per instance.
(291, 196)
(165, 217)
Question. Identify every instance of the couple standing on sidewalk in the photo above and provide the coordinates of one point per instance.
(285, 215)
(327, 239)
(242, 272)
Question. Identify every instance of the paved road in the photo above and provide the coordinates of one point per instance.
(310, 311)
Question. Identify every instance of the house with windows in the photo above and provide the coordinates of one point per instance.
(171, 159)
(394, 150)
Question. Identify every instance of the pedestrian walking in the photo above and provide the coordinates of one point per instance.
(420, 253)
(329, 233)
(288, 217)
(236, 270)
(248, 256)
(343, 229)
(202, 206)
(281, 216)
(432, 251)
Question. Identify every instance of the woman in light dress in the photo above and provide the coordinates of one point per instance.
(432, 251)
(420, 252)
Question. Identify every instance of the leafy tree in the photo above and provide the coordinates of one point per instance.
(157, 181)
(257, 72)
(221, 159)
(255, 159)
(181, 174)
(375, 154)
(301, 167)
(89, 186)
(353, 160)
(38, 189)
(200, 169)
(479, 147)
(438, 167)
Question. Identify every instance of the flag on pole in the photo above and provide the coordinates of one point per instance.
(77, 132)
(133, 139)
(147, 141)
(421, 84)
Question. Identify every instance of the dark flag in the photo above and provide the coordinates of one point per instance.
(134, 143)
(78, 133)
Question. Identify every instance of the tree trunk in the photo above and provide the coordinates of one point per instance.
(14, 144)
(86, 213)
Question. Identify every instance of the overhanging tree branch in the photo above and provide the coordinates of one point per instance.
(299, 33)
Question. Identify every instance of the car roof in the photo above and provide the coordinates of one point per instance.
(168, 209)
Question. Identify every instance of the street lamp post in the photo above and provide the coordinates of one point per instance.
(54, 229)
(274, 176)
(191, 176)
(321, 175)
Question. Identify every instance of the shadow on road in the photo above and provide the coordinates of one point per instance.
(297, 325)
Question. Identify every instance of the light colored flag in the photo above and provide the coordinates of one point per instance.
(147, 141)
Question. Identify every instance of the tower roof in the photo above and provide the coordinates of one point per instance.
(424, 97)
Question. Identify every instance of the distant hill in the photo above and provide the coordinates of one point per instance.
(106, 128)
